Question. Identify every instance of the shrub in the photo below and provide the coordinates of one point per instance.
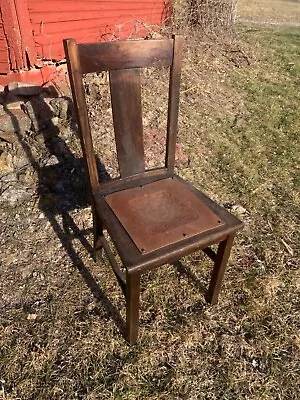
(215, 17)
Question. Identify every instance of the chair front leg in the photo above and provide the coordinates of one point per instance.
(219, 269)
(132, 306)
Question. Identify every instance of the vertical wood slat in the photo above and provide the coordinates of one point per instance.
(75, 76)
(173, 102)
(4, 55)
(218, 271)
(12, 33)
(132, 306)
(125, 89)
(26, 31)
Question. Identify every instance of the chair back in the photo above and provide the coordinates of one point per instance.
(123, 60)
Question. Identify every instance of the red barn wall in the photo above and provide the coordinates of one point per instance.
(4, 56)
(17, 50)
(89, 20)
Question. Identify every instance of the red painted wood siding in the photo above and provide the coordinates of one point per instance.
(4, 56)
(17, 49)
(89, 20)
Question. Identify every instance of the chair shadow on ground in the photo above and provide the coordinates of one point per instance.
(62, 188)
(191, 277)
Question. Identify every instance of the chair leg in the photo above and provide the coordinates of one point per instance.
(98, 233)
(219, 269)
(132, 306)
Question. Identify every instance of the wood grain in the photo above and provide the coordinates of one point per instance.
(75, 76)
(125, 89)
(173, 102)
(115, 55)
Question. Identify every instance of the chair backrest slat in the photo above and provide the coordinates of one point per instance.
(105, 56)
(125, 89)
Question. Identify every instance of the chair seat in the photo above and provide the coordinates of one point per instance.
(161, 221)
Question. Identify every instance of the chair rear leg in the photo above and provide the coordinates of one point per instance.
(219, 269)
(98, 233)
(132, 306)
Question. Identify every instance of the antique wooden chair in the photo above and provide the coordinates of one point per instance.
(152, 216)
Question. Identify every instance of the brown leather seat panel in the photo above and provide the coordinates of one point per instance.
(161, 213)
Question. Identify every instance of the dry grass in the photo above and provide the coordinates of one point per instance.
(270, 10)
(60, 312)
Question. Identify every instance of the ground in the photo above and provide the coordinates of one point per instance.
(270, 11)
(61, 313)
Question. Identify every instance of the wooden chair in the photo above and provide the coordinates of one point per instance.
(152, 216)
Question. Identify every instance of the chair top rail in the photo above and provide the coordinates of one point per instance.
(105, 56)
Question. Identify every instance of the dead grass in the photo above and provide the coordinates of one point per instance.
(60, 325)
(213, 17)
